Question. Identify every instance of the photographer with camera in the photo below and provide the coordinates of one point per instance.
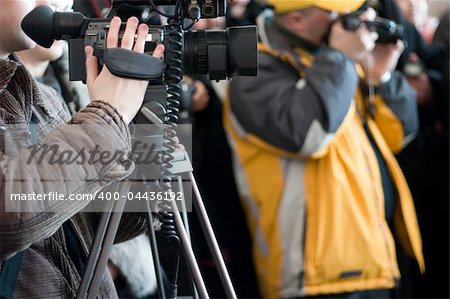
(47, 250)
(314, 154)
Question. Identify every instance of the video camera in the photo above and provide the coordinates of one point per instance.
(220, 54)
(388, 31)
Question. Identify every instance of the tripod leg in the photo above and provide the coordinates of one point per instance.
(108, 241)
(211, 240)
(155, 254)
(189, 254)
(183, 207)
(94, 252)
(185, 219)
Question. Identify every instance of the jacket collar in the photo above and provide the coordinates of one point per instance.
(296, 41)
(8, 69)
(13, 66)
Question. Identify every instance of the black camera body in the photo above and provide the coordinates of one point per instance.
(388, 31)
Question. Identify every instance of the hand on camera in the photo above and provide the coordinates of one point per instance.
(126, 95)
(418, 79)
(200, 98)
(382, 59)
(355, 44)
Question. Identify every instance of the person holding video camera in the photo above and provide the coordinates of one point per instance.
(43, 254)
(314, 155)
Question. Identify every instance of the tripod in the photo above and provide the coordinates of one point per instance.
(174, 163)
(109, 224)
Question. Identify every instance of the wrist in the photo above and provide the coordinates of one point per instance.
(385, 77)
(380, 80)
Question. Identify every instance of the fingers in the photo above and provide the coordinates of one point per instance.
(200, 97)
(396, 48)
(130, 32)
(369, 41)
(91, 66)
(413, 57)
(129, 36)
(367, 38)
(112, 40)
(374, 36)
(141, 38)
(159, 51)
(400, 46)
(369, 15)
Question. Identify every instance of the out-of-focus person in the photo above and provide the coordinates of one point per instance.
(313, 155)
(416, 12)
(423, 160)
(51, 67)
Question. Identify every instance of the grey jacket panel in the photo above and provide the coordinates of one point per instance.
(334, 78)
(401, 99)
(280, 107)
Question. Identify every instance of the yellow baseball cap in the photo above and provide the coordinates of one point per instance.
(341, 6)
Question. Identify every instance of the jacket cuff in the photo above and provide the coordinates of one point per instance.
(106, 128)
(101, 112)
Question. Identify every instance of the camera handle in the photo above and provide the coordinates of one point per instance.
(130, 64)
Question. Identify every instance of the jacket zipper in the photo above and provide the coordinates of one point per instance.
(377, 201)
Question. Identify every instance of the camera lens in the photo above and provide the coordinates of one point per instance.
(221, 54)
(208, 10)
(388, 31)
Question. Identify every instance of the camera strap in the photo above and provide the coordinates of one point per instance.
(130, 64)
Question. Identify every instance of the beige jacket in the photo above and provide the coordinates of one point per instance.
(47, 270)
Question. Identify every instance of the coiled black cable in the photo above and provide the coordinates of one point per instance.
(172, 77)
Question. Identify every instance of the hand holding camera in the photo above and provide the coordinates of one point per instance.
(194, 95)
(381, 61)
(200, 97)
(124, 94)
(418, 79)
(388, 31)
(372, 41)
(356, 44)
